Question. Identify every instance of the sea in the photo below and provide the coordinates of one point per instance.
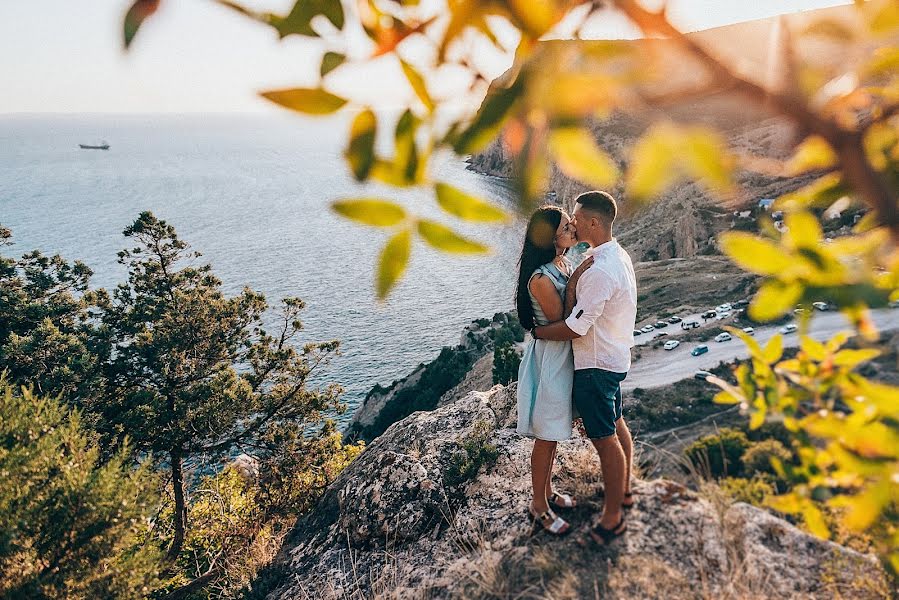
(252, 194)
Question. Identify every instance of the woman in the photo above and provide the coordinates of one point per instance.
(547, 367)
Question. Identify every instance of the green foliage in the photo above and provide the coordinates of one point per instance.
(474, 453)
(751, 491)
(719, 455)
(45, 332)
(505, 363)
(758, 457)
(69, 523)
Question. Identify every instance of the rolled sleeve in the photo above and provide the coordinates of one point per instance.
(593, 291)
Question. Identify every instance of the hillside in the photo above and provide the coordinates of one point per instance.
(435, 508)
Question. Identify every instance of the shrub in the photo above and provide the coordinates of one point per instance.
(506, 361)
(473, 453)
(757, 458)
(719, 455)
(69, 523)
(751, 491)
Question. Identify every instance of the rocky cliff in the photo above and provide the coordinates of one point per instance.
(435, 508)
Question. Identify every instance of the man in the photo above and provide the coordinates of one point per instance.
(601, 326)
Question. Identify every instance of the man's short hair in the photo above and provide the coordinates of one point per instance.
(600, 203)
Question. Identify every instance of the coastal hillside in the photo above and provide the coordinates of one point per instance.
(436, 508)
(685, 221)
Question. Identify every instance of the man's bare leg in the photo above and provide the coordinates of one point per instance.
(627, 445)
(614, 466)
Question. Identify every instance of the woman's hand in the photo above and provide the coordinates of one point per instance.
(571, 286)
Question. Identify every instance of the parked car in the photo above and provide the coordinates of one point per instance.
(723, 307)
(671, 344)
(709, 314)
(894, 304)
(822, 306)
(788, 328)
(662, 334)
(674, 320)
(703, 375)
(647, 328)
(637, 332)
(740, 304)
(689, 324)
(723, 337)
(698, 350)
(660, 324)
(724, 315)
(749, 331)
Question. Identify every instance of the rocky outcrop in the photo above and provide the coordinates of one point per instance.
(436, 506)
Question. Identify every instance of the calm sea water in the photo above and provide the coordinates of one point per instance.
(251, 193)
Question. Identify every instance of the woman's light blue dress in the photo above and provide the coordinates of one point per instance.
(545, 377)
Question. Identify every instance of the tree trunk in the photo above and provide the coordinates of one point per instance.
(180, 517)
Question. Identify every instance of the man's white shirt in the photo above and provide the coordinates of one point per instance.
(606, 311)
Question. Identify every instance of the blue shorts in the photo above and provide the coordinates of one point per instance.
(597, 398)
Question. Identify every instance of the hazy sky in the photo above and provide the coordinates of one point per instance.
(193, 56)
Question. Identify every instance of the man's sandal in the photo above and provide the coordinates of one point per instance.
(559, 526)
(600, 536)
(562, 500)
(628, 501)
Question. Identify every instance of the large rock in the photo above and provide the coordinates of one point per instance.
(436, 507)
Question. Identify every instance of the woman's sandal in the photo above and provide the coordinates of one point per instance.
(558, 527)
(628, 501)
(562, 500)
(607, 536)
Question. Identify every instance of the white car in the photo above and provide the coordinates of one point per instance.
(723, 337)
(822, 306)
(647, 328)
(788, 328)
(724, 315)
(671, 344)
(723, 307)
(749, 331)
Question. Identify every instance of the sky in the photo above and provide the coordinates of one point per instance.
(65, 56)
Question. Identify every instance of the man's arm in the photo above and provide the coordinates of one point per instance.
(557, 331)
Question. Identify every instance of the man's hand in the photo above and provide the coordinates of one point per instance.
(571, 287)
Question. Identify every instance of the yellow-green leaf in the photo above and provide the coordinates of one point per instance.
(361, 150)
(755, 254)
(812, 154)
(725, 397)
(445, 239)
(774, 299)
(653, 163)
(773, 349)
(821, 193)
(392, 262)
(371, 211)
(853, 358)
(804, 230)
(579, 157)
(706, 158)
(311, 101)
(465, 206)
(813, 348)
(418, 85)
(330, 61)
(406, 159)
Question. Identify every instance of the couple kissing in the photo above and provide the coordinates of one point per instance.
(581, 322)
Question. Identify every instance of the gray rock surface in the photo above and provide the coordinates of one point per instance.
(435, 508)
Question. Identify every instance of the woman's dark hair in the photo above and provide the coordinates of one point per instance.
(538, 250)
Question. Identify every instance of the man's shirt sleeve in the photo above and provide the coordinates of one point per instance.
(594, 289)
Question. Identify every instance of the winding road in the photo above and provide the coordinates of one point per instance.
(662, 367)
